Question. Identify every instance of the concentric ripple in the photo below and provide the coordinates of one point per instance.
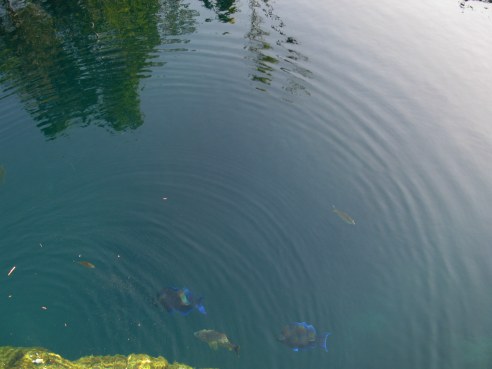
(230, 132)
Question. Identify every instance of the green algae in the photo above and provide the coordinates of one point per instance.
(41, 358)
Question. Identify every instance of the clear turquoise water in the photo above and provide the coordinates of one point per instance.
(252, 119)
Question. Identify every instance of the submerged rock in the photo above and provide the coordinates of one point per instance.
(37, 357)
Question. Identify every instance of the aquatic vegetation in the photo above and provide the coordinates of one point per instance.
(216, 339)
(180, 300)
(37, 357)
(343, 215)
(302, 336)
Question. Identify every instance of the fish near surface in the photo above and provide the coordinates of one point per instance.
(180, 300)
(87, 264)
(343, 215)
(216, 339)
(302, 336)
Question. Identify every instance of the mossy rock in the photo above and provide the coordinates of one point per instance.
(40, 358)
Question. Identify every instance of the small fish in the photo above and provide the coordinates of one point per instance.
(216, 339)
(86, 264)
(302, 336)
(180, 300)
(2, 173)
(347, 218)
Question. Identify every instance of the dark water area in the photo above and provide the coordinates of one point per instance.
(204, 144)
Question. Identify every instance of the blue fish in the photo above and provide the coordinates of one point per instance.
(180, 300)
(302, 336)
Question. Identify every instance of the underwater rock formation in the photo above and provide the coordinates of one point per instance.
(37, 357)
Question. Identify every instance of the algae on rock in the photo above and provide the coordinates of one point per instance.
(41, 358)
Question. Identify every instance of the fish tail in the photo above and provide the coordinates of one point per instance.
(199, 306)
(322, 340)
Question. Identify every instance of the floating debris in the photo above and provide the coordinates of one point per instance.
(11, 271)
(87, 264)
(343, 215)
(302, 336)
(216, 339)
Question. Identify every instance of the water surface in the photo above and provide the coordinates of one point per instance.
(205, 143)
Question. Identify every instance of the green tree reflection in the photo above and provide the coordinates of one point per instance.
(273, 51)
(224, 9)
(82, 62)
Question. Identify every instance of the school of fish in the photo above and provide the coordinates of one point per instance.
(298, 336)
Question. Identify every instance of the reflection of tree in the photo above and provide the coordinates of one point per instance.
(177, 20)
(270, 57)
(271, 49)
(30, 59)
(81, 62)
(224, 9)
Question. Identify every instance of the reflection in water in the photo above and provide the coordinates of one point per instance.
(81, 62)
(472, 4)
(177, 19)
(78, 62)
(223, 8)
(279, 55)
(34, 62)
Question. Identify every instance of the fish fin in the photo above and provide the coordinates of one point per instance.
(213, 345)
(322, 340)
(307, 326)
(236, 349)
(200, 307)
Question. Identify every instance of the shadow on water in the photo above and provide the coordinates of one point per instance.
(81, 63)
